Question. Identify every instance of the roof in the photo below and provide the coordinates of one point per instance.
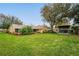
(17, 25)
(39, 27)
(64, 25)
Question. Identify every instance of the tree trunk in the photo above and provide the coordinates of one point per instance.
(51, 25)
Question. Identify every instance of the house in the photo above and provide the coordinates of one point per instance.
(15, 28)
(67, 27)
(62, 29)
(40, 28)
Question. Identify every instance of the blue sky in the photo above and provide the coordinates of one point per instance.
(29, 13)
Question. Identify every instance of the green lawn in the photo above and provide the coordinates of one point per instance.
(47, 44)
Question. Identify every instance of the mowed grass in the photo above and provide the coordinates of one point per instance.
(47, 44)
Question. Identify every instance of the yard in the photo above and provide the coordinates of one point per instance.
(46, 44)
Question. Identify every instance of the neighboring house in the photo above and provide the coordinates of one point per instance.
(15, 28)
(40, 29)
(67, 28)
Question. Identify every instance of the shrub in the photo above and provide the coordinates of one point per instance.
(26, 30)
(75, 29)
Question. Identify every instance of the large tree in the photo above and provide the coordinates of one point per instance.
(53, 13)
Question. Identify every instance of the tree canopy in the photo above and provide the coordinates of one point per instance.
(6, 21)
(54, 13)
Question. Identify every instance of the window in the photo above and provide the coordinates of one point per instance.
(17, 30)
(35, 30)
(63, 31)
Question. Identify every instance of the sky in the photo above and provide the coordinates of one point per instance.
(29, 13)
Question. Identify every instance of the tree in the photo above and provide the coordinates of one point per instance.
(6, 21)
(53, 13)
(75, 14)
(15, 20)
(75, 11)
